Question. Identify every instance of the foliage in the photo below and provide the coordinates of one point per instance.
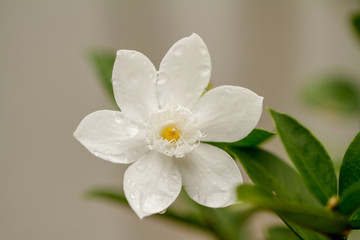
(336, 93)
(306, 198)
(103, 62)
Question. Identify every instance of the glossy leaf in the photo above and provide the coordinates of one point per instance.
(225, 223)
(255, 138)
(312, 217)
(335, 93)
(350, 166)
(273, 174)
(355, 219)
(308, 155)
(350, 199)
(103, 63)
(281, 233)
(304, 233)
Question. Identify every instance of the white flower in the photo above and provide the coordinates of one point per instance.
(163, 118)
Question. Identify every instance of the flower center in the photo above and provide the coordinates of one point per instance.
(171, 134)
(173, 131)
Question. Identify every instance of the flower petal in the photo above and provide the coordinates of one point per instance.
(184, 72)
(210, 176)
(133, 79)
(228, 113)
(151, 184)
(109, 135)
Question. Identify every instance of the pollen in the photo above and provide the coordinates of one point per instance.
(171, 134)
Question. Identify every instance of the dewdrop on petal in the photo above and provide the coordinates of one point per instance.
(164, 119)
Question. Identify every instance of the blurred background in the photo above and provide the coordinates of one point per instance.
(47, 85)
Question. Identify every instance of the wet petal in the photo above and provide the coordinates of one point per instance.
(152, 184)
(210, 176)
(133, 80)
(184, 72)
(109, 135)
(228, 113)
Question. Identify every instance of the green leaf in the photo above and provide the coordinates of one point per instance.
(304, 233)
(333, 92)
(273, 174)
(350, 199)
(312, 217)
(308, 155)
(350, 166)
(355, 219)
(255, 138)
(355, 20)
(117, 196)
(281, 233)
(103, 63)
(225, 223)
(108, 194)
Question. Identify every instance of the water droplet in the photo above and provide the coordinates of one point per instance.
(128, 180)
(161, 79)
(137, 206)
(152, 75)
(203, 51)
(140, 168)
(96, 153)
(118, 120)
(132, 55)
(132, 195)
(229, 90)
(121, 157)
(132, 130)
(196, 197)
(216, 197)
(205, 71)
(163, 211)
(178, 50)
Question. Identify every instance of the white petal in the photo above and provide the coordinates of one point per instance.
(133, 79)
(152, 184)
(184, 72)
(109, 135)
(228, 113)
(210, 176)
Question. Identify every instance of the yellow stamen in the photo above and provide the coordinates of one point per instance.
(170, 134)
